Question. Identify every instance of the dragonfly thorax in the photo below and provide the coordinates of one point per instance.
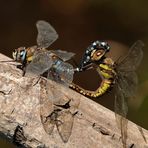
(30, 51)
(106, 69)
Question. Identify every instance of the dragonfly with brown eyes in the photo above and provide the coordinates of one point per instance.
(119, 74)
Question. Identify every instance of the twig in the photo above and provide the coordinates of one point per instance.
(20, 115)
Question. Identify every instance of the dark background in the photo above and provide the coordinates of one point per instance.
(78, 23)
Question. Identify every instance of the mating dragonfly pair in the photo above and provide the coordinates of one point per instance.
(119, 74)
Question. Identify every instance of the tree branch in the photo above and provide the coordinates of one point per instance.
(26, 110)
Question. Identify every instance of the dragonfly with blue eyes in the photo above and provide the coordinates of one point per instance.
(52, 65)
(37, 59)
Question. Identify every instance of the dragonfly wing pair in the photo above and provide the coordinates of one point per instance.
(43, 59)
(53, 62)
(55, 114)
(46, 34)
(126, 84)
(41, 62)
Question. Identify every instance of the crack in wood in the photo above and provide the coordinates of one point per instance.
(101, 129)
(18, 138)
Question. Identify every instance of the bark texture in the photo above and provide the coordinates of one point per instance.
(26, 108)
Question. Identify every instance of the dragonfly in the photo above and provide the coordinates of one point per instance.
(52, 65)
(37, 59)
(119, 74)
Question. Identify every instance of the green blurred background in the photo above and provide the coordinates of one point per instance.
(78, 23)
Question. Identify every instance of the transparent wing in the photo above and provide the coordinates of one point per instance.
(64, 55)
(46, 107)
(46, 34)
(61, 72)
(133, 58)
(120, 101)
(41, 62)
(121, 110)
(64, 125)
(128, 82)
(126, 87)
(52, 112)
(48, 126)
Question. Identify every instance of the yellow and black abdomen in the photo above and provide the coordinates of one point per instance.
(107, 74)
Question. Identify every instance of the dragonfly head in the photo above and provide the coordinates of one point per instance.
(20, 54)
(94, 53)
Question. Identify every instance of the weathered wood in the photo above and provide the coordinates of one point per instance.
(20, 108)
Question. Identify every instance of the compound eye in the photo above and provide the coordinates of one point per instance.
(23, 55)
(22, 51)
(97, 55)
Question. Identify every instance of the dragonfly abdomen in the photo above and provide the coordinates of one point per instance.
(107, 74)
(104, 87)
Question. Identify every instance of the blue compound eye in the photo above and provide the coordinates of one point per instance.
(19, 54)
(23, 55)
